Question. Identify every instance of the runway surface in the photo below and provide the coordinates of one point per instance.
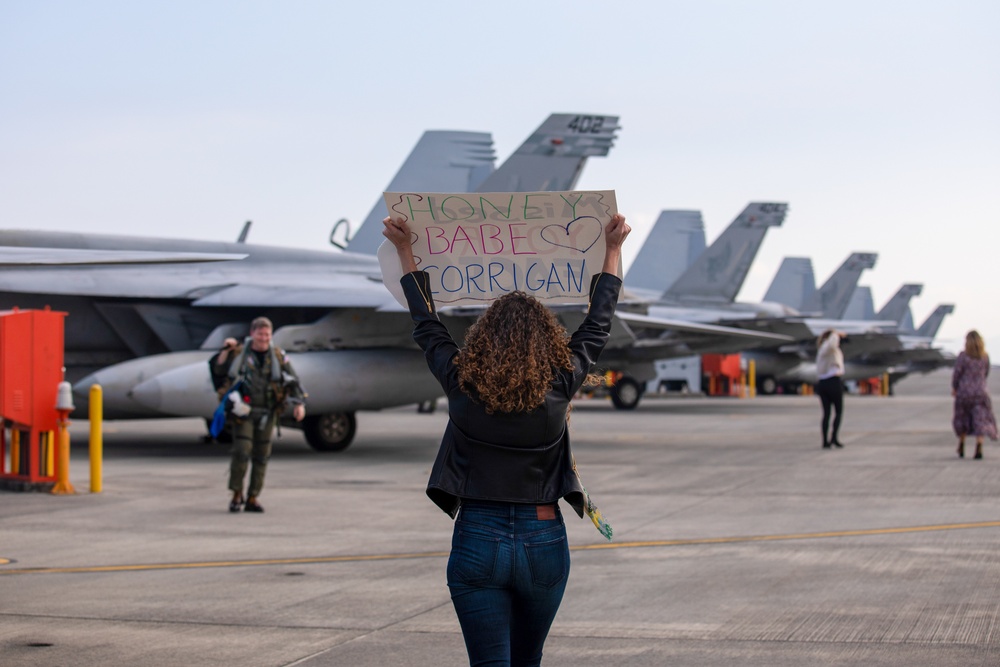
(738, 540)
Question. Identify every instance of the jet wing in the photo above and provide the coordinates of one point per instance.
(344, 292)
(868, 344)
(16, 256)
(643, 338)
(808, 329)
(636, 320)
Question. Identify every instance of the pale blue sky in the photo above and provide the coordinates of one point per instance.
(876, 120)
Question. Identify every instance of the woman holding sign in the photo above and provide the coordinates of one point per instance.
(505, 458)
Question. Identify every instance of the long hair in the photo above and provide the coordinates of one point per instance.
(974, 345)
(511, 354)
(823, 336)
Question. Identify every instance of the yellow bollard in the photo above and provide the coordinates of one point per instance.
(885, 384)
(49, 445)
(752, 378)
(63, 486)
(96, 438)
(15, 451)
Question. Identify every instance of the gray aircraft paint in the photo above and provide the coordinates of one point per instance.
(930, 326)
(832, 298)
(718, 273)
(455, 161)
(330, 308)
(862, 305)
(793, 283)
(550, 159)
(676, 240)
(896, 308)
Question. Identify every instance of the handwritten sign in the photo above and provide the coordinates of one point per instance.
(479, 246)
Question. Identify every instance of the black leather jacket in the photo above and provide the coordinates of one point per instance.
(521, 457)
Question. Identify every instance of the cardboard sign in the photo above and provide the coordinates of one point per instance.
(479, 246)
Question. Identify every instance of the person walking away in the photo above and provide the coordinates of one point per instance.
(973, 411)
(259, 381)
(830, 388)
(505, 458)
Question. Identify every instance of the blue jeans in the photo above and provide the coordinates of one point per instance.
(507, 574)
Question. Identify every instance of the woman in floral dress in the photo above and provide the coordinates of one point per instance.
(973, 409)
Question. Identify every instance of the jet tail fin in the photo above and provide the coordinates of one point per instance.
(442, 161)
(832, 298)
(552, 158)
(793, 283)
(896, 308)
(674, 243)
(933, 322)
(861, 306)
(718, 273)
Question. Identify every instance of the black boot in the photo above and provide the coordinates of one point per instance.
(961, 449)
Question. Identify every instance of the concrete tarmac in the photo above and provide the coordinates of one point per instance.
(738, 541)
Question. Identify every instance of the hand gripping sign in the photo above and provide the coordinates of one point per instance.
(479, 246)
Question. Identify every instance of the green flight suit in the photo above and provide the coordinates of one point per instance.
(264, 377)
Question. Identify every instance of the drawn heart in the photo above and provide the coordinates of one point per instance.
(578, 234)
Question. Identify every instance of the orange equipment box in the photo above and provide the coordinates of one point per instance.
(31, 368)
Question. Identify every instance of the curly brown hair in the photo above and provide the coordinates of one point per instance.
(511, 353)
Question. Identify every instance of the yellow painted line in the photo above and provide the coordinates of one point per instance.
(790, 536)
(222, 563)
(442, 554)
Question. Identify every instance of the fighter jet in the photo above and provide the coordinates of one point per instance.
(861, 306)
(820, 309)
(145, 334)
(674, 312)
(792, 307)
(877, 344)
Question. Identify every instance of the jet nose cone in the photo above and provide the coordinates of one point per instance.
(82, 387)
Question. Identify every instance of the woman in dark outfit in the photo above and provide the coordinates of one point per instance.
(505, 459)
(830, 388)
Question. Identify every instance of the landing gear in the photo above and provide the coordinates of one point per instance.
(767, 385)
(626, 393)
(332, 432)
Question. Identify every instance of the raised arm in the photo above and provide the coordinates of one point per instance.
(398, 233)
(615, 234)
